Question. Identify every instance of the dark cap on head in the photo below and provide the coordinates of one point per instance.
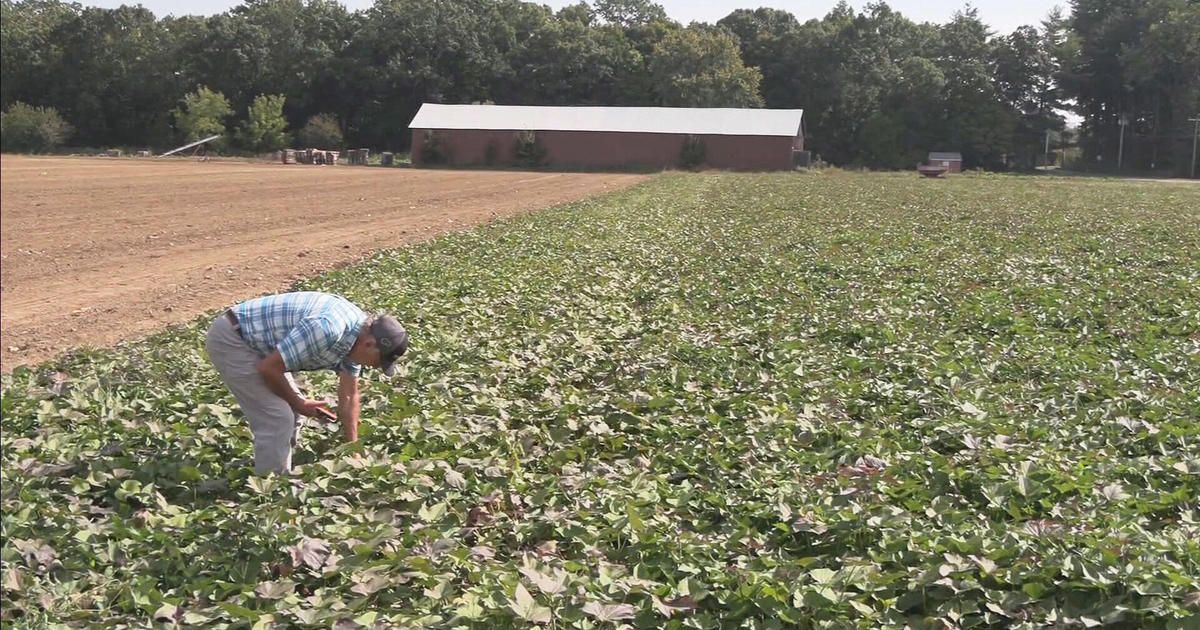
(392, 340)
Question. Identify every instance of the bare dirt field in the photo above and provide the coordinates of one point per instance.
(95, 251)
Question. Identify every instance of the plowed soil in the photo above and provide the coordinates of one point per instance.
(97, 250)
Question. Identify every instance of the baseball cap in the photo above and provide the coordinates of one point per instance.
(392, 340)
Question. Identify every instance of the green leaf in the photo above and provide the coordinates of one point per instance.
(526, 608)
(1034, 589)
(238, 612)
(432, 513)
(822, 575)
(693, 588)
(168, 613)
(469, 607)
(1024, 485)
(635, 518)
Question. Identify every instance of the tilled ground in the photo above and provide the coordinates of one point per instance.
(96, 251)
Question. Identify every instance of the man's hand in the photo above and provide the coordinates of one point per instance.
(312, 408)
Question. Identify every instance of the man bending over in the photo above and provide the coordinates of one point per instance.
(257, 344)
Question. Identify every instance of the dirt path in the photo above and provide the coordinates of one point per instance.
(95, 251)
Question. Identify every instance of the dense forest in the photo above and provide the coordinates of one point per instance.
(878, 89)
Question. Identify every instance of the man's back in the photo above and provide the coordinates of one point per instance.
(311, 330)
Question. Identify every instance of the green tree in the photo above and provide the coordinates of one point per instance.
(1138, 59)
(976, 121)
(883, 141)
(202, 114)
(566, 62)
(30, 47)
(702, 67)
(877, 88)
(407, 52)
(630, 13)
(1161, 66)
(1025, 70)
(32, 129)
(580, 12)
(108, 71)
(764, 36)
(266, 127)
(868, 82)
(321, 132)
(288, 47)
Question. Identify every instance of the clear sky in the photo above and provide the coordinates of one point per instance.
(1002, 15)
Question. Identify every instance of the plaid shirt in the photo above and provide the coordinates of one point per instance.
(311, 331)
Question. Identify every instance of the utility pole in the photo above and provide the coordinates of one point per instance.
(1047, 151)
(1121, 145)
(1195, 138)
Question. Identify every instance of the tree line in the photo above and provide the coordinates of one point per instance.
(878, 89)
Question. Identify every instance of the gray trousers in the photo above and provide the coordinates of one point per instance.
(275, 426)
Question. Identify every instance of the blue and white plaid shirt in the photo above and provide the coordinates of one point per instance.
(311, 330)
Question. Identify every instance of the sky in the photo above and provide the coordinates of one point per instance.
(1001, 15)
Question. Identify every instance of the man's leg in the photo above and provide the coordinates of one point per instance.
(272, 421)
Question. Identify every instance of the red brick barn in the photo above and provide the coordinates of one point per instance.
(607, 137)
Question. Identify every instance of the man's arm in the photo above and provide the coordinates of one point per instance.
(272, 369)
(348, 405)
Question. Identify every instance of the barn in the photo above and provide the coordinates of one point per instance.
(608, 137)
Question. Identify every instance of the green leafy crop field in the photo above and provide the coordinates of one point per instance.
(710, 401)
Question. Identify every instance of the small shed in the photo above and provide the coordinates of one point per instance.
(608, 137)
(952, 161)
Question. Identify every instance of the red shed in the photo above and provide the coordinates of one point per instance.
(608, 137)
(951, 161)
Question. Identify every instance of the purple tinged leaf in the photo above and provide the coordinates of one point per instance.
(168, 613)
(610, 612)
(275, 590)
(371, 585)
(12, 581)
(456, 479)
(37, 554)
(310, 552)
(482, 553)
(1114, 492)
(670, 607)
(548, 584)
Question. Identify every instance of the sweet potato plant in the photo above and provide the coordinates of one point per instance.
(712, 401)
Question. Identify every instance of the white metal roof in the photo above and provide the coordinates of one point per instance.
(945, 155)
(689, 120)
